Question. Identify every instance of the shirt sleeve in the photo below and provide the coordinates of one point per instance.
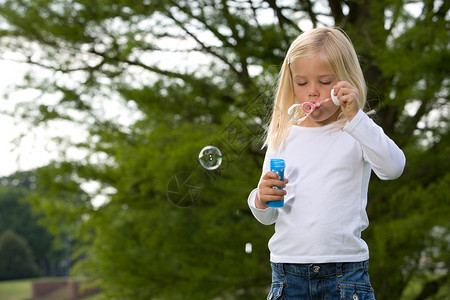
(268, 215)
(386, 159)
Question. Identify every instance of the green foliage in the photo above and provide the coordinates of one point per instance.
(165, 245)
(410, 223)
(196, 73)
(16, 258)
(16, 215)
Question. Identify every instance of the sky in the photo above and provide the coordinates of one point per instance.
(35, 148)
(10, 160)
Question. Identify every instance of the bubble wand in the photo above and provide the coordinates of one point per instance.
(309, 107)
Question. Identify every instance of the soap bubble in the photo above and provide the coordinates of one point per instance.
(210, 157)
(248, 248)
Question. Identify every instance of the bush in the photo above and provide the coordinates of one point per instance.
(16, 258)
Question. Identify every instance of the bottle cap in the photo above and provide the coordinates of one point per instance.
(334, 98)
(277, 162)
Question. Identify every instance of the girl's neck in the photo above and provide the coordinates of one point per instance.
(308, 122)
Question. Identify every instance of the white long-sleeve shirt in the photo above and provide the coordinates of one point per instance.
(324, 210)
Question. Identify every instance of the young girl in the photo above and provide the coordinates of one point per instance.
(316, 251)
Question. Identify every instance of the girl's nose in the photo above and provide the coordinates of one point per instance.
(313, 92)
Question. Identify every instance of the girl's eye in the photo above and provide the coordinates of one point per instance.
(301, 83)
(326, 82)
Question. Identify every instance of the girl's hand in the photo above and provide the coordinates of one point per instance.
(266, 192)
(348, 97)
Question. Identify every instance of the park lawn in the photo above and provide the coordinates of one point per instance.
(15, 289)
(21, 289)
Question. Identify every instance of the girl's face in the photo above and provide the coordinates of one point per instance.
(313, 81)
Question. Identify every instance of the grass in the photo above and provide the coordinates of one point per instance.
(15, 289)
(21, 289)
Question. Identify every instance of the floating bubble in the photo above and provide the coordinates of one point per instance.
(210, 157)
(248, 248)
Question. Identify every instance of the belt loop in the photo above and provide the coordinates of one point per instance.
(339, 269)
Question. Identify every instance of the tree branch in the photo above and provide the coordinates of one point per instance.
(282, 20)
(443, 10)
(203, 20)
(240, 44)
(307, 6)
(412, 123)
(204, 47)
(336, 10)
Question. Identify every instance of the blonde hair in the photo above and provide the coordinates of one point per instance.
(336, 50)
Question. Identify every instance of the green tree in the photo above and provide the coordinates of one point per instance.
(193, 73)
(16, 215)
(16, 258)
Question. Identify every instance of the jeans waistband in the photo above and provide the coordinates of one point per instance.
(319, 270)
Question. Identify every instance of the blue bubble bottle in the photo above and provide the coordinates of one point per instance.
(277, 165)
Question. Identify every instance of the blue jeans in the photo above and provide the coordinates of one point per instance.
(330, 281)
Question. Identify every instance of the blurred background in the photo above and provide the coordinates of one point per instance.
(105, 106)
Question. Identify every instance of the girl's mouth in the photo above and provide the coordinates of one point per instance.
(309, 107)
